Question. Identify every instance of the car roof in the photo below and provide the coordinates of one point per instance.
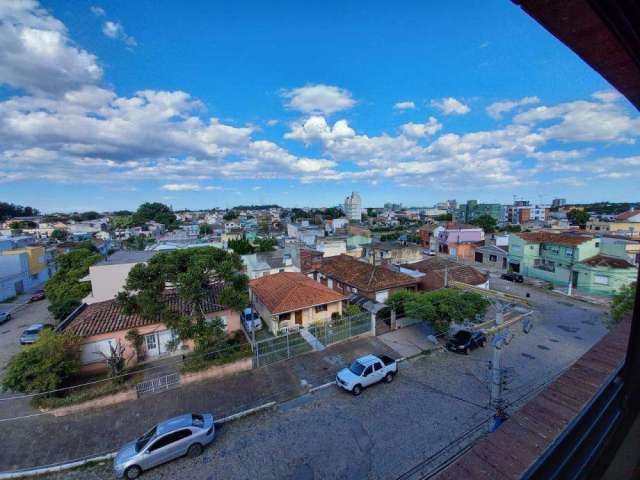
(174, 424)
(367, 360)
(35, 325)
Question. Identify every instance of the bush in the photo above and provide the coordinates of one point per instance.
(45, 365)
(198, 361)
(622, 303)
(398, 299)
(62, 310)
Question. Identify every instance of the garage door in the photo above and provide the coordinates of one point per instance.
(91, 352)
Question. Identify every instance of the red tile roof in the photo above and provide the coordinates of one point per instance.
(607, 261)
(290, 291)
(108, 316)
(434, 268)
(362, 275)
(627, 215)
(460, 226)
(568, 240)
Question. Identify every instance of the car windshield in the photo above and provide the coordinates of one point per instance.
(356, 368)
(32, 331)
(462, 336)
(197, 420)
(144, 439)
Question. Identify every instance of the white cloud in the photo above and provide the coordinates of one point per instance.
(408, 105)
(188, 187)
(315, 129)
(115, 30)
(97, 11)
(36, 53)
(496, 109)
(417, 130)
(318, 99)
(450, 106)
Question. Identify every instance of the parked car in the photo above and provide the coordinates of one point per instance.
(38, 295)
(184, 435)
(251, 319)
(464, 342)
(4, 317)
(512, 277)
(32, 333)
(429, 253)
(366, 371)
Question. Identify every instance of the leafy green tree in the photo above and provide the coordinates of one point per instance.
(63, 309)
(45, 365)
(512, 228)
(137, 242)
(399, 298)
(486, 222)
(623, 302)
(240, 246)
(265, 244)
(206, 229)
(9, 210)
(65, 284)
(157, 212)
(23, 225)
(59, 235)
(578, 217)
(230, 215)
(447, 217)
(190, 272)
(89, 216)
(123, 213)
(121, 221)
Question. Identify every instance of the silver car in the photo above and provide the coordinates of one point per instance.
(173, 438)
(32, 333)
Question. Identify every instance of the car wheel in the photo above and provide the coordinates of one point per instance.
(388, 377)
(466, 351)
(357, 390)
(482, 344)
(132, 472)
(194, 450)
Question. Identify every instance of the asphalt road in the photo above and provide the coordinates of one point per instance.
(389, 429)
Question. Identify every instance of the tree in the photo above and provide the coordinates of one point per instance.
(157, 212)
(121, 221)
(63, 309)
(59, 235)
(136, 340)
(190, 272)
(230, 215)
(136, 242)
(578, 217)
(22, 225)
(206, 229)
(399, 298)
(265, 244)
(622, 303)
(65, 285)
(45, 365)
(115, 359)
(447, 217)
(240, 246)
(512, 228)
(9, 210)
(486, 222)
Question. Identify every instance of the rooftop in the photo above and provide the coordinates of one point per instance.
(434, 270)
(627, 215)
(126, 256)
(361, 275)
(108, 316)
(460, 226)
(289, 291)
(607, 261)
(566, 239)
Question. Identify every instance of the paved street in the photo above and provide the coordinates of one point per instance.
(389, 428)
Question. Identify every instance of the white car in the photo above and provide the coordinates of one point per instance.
(366, 371)
(251, 319)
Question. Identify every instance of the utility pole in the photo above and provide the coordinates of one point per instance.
(569, 290)
(496, 371)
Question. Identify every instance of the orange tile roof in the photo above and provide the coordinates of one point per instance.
(557, 238)
(627, 215)
(289, 291)
(362, 275)
(460, 226)
(607, 261)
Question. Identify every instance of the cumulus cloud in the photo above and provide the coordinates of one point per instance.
(408, 105)
(318, 99)
(417, 130)
(36, 53)
(97, 11)
(496, 109)
(450, 106)
(188, 187)
(115, 31)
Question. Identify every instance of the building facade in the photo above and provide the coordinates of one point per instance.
(353, 207)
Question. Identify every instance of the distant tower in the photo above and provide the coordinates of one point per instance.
(353, 207)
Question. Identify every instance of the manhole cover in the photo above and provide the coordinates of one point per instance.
(530, 357)
(543, 347)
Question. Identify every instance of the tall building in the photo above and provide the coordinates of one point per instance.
(522, 212)
(558, 202)
(471, 210)
(353, 207)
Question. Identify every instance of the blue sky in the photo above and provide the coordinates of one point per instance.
(104, 105)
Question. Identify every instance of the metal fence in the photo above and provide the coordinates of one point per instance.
(159, 384)
(286, 345)
(333, 331)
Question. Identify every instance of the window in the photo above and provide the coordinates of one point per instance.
(284, 316)
(151, 342)
(377, 366)
(493, 258)
(321, 308)
(169, 439)
(601, 280)
(368, 370)
(569, 252)
(597, 244)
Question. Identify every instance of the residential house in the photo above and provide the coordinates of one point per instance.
(438, 271)
(261, 264)
(104, 323)
(22, 269)
(331, 246)
(350, 276)
(109, 276)
(395, 252)
(460, 240)
(492, 256)
(626, 223)
(288, 299)
(572, 258)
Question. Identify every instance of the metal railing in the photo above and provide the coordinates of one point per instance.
(159, 384)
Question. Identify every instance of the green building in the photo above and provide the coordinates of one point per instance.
(471, 210)
(593, 265)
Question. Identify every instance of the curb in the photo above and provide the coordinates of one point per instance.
(31, 472)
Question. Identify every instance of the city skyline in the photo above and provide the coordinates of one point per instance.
(104, 108)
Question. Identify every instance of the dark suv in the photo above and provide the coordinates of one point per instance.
(464, 342)
(512, 277)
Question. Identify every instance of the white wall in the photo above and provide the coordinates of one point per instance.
(107, 281)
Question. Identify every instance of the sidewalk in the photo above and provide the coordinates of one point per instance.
(45, 439)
